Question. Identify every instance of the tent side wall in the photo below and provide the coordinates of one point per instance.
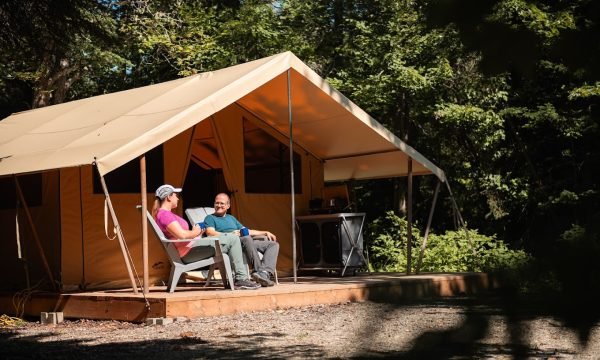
(44, 210)
(89, 259)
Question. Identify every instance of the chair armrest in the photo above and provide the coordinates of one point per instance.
(208, 240)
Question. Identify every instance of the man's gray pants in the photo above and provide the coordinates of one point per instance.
(269, 249)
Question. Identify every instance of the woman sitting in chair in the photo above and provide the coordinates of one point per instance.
(175, 227)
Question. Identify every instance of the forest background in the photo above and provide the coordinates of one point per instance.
(502, 95)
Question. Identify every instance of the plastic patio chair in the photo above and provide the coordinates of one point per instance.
(178, 267)
(197, 215)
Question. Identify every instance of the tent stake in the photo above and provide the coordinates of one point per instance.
(144, 223)
(119, 234)
(35, 233)
(292, 190)
(409, 219)
(424, 245)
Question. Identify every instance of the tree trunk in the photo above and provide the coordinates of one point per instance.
(57, 77)
(400, 127)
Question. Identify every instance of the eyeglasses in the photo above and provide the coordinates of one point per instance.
(220, 203)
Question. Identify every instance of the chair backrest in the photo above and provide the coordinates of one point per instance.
(196, 215)
(169, 247)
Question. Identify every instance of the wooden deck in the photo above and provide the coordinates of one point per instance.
(193, 300)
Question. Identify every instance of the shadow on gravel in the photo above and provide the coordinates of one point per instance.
(247, 347)
(576, 310)
(561, 284)
(464, 340)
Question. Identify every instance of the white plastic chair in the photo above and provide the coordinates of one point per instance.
(178, 267)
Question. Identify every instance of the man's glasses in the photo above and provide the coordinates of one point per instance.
(220, 203)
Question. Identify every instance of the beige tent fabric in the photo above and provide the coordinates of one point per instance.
(115, 128)
(227, 127)
(88, 259)
(176, 158)
(71, 214)
(331, 127)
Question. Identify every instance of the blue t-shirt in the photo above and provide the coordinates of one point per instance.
(224, 224)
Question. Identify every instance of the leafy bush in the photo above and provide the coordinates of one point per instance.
(454, 251)
(449, 252)
(386, 241)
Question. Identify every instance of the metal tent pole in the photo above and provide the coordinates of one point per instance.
(144, 223)
(292, 190)
(119, 234)
(424, 245)
(461, 222)
(409, 219)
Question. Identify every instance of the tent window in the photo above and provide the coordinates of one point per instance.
(31, 186)
(126, 179)
(267, 163)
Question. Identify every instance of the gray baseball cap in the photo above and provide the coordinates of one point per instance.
(165, 190)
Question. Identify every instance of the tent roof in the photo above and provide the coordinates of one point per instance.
(113, 129)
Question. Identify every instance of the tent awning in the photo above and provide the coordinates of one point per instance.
(113, 129)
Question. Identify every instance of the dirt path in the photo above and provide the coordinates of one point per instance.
(442, 329)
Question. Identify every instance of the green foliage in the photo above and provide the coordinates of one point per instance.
(60, 43)
(453, 251)
(387, 239)
(586, 91)
(470, 251)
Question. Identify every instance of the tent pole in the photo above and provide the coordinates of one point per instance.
(292, 190)
(144, 222)
(119, 234)
(35, 233)
(409, 219)
(461, 222)
(424, 245)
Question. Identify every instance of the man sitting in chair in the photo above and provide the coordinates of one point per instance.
(175, 227)
(221, 222)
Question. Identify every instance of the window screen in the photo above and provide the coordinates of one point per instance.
(267, 163)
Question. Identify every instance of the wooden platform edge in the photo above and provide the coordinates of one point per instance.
(134, 309)
(393, 291)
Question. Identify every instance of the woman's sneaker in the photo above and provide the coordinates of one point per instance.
(262, 278)
(246, 285)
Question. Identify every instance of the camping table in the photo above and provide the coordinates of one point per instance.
(324, 239)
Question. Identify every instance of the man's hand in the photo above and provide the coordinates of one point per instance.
(268, 234)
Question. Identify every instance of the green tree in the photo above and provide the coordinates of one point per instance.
(60, 43)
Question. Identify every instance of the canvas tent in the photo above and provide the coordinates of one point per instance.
(217, 122)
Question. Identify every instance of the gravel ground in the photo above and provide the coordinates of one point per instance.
(448, 329)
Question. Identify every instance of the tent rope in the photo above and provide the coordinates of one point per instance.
(123, 244)
(137, 276)
(106, 223)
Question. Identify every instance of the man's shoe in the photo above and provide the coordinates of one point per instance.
(262, 278)
(246, 285)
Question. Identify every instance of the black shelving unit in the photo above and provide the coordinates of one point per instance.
(331, 242)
